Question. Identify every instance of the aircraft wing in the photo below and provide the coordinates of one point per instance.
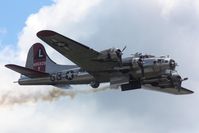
(175, 91)
(78, 53)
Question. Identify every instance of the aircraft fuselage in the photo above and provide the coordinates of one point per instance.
(148, 69)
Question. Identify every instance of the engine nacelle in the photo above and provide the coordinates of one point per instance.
(171, 81)
(111, 54)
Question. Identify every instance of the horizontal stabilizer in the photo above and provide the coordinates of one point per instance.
(26, 71)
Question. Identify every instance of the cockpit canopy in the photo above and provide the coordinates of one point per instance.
(140, 55)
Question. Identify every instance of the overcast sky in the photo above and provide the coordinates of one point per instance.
(169, 27)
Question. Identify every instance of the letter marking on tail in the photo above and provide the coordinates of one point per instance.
(39, 58)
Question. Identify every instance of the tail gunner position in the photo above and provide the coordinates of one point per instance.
(93, 67)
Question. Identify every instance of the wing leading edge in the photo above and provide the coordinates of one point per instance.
(78, 53)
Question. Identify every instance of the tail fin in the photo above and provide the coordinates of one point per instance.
(38, 60)
(38, 64)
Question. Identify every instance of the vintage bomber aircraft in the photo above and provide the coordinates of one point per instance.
(92, 67)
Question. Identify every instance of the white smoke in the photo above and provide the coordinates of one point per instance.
(22, 96)
(140, 24)
(64, 19)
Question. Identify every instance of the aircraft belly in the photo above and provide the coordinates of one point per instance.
(148, 73)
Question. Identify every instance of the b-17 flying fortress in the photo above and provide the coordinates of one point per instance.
(93, 67)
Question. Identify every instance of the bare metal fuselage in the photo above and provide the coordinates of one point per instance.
(97, 67)
(154, 70)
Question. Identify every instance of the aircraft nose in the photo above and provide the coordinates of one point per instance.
(172, 64)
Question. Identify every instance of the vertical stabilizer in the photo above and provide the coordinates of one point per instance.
(38, 60)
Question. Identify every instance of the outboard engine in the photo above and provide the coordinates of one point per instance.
(174, 81)
(177, 81)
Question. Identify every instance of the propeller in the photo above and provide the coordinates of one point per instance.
(184, 79)
(123, 49)
(120, 52)
(177, 81)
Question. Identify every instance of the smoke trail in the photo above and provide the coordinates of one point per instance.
(13, 97)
